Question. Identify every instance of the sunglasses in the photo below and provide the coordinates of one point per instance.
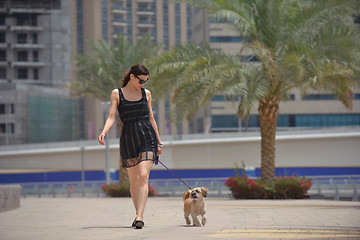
(142, 81)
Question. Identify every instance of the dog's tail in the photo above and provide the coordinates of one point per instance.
(186, 194)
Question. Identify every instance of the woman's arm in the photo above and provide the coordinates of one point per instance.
(152, 120)
(114, 102)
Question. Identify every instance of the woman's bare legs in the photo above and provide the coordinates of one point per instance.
(139, 188)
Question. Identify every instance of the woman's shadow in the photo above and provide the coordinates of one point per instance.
(108, 227)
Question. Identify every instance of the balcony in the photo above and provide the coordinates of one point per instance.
(27, 45)
(145, 11)
(118, 23)
(140, 35)
(27, 64)
(145, 1)
(26, 28)
(142, 23)
(118, 10)
(26, 10)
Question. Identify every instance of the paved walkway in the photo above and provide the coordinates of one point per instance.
(110, 218)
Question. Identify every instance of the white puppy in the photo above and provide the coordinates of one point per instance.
(194, 205)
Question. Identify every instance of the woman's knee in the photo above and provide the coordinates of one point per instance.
(143, 178)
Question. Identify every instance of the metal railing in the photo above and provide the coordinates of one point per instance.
(323, 187)
(336, 187)
(63, 189)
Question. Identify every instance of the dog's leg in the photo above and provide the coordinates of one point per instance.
(203, 220)
(203, 217)
(187, 219)
(196, 221)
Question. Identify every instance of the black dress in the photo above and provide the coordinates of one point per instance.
(138, 138)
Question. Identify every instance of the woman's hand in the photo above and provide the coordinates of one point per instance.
(159, 150)
(101, 138)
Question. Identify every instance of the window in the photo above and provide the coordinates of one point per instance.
(26, 20)
(22, 56)
(2, 73)
(327, 120)
(7, 128)
(177, 23)
(166, 24)
(2, 19)
(252, 121)
(118, 5)
(217, 39)
(104, 19)
(319, 97)
(22, 73)
(118, 30)
(2, 55)
(221, 98)
(2, 37)
(142, 7)
(35, 56)
(35, 73)
(224, 121)
(22, 38)
(35, 38)
(119, 18)
(6, 108)
(79, 26)
(143, 19)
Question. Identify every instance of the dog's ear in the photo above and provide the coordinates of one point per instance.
(204, 191)
(186, 194)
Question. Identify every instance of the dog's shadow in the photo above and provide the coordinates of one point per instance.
(188, 226)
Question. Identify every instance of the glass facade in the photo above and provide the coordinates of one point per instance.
(166, 24)
(104, 20)
(129, 20)
(52, 119)
(308, 120)
(226, 39)
(188, 23)
(177, 23)
(80, 26)
(224, 121)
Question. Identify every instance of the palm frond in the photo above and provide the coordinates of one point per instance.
(101, 71)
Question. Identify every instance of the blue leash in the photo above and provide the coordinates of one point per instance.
(156, 162)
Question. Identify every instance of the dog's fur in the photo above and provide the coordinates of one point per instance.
(194, 205)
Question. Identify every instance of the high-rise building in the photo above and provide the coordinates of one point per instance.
(35, 63)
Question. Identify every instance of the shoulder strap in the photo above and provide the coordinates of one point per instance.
(143, 93)
(121, 96)
(120, 92)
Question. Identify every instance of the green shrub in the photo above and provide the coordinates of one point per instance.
(123, 190)
(292, 187)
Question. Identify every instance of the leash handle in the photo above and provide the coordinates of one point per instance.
(173, 173)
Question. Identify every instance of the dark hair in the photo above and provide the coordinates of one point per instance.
(137, 70)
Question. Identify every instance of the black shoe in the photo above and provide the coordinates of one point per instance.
(139, 224)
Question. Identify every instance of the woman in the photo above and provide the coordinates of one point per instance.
(140, 142)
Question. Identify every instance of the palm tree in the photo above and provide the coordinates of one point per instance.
(298, 44)
(99, 72)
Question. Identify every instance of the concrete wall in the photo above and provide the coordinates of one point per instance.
(339, 149)
(9, 197)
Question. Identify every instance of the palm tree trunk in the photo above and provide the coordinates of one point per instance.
(123, 175)
(268, 112)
